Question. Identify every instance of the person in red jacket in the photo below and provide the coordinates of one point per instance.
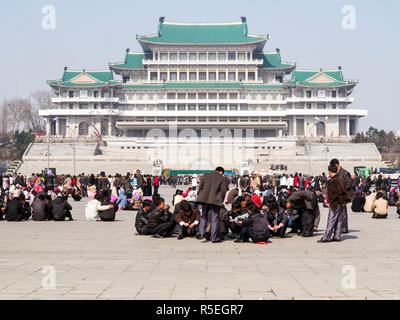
(156, 185)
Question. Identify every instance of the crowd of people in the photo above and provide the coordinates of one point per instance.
(213, 206)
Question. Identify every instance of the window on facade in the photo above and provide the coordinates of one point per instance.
(171, 107)
(140, 96)
(212, 107)
(202, 56)
(263, 96)
(71, 106)
(156, 56)
(95, 106)
(299, 106)
(105, 106)
(241, 56)
(308, 93)
(161, 107)
(253, 96)
(212, 76)
(231, 76)
(106, 94)
(341, 106)
(212, 56)
(140, 108)
(151, 107)
(212, 95)
(192, 107)
(223, 96)
(260, 77)
(244, 107)
(83, 93)
(333, 94)
(172, 56)
(171, 95)
(64, 94)
(193, 56)
(182, 76)
(150, 96)
(221, 76)
(233, 107)
(135, 78)
(264, 108)
(233, 96)
(163, 56)
(70, 94)
(253, 107)
(153, 76)
(299, 93)
(221, 56)
(202, 95)
(278, 78)
(321, 93)
(251, 76)
(182, 56)
(248, 55)
(181, 107)
(202, 76)
(202, 107)
(321, 106)
(333, 105)
(308, 105)
(173, 76)
(191, 95)
(274, 107)
(241, 76)
(161, 96)
(163, 76)
(126, 79)
(223, 107)
(243, 95)
(181, 96)
(192, 76)
(274, 96)
(231, 55)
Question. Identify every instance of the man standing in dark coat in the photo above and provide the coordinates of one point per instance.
(349, 184)
(338, 197)
(211, 194)
(140, 180)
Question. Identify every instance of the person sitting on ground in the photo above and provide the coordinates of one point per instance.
(369, 200)
(26, 206)
(358, 202)
(93, 207)
(142, 217)
(237, 212)
(122, 200)
(61, 209)
(108, 214)
(76, 194)
(380, 207)
(14, 210)
(393, 197)
(255, 227)
(277, 220)
(40, 210)
(160, 224)
(188, 219)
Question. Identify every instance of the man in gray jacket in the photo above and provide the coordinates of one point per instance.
(211, 194)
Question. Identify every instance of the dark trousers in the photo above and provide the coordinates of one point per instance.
(188, 232)
(335, 224)
(280, 232)
(155, 190)
(379, 216)
(345, 223)
(247, 233)
(212, 211)
(162, 229)
(307, 223)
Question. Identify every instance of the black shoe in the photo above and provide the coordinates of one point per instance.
(337, 240)
(158, 236)
(71, 219)
(180, 237)
(306, 235)
(323, 241)
(217, 241)
(199, 236)
(238, 240)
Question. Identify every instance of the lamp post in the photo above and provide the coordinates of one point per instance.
(73, 144)
(48, 141)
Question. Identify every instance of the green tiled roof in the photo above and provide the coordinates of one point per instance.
(303, 77)
(181, 33)
(202, 85)
(101, 78)
(132, 61)
(273, 61)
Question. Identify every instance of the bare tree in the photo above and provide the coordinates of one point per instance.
(41, 100)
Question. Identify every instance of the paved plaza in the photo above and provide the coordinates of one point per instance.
(108, 260)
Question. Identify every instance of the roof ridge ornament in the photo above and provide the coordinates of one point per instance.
(245, 25)
(161, 21)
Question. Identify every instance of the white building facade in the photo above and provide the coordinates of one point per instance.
(203, 77)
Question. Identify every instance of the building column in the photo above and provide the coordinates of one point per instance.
(348, 126)
(294, 133)
(48, 128)
(57, 126)
(109, 125)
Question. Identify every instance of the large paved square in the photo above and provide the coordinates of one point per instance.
(100, 260)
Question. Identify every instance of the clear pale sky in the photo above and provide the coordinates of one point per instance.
(91, 33)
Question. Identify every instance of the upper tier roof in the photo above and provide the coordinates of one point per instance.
(202, 33)
(272, 60)
(320, 78)
(132, 60)
(77, 78)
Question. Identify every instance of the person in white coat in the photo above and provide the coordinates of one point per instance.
(93, 207)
